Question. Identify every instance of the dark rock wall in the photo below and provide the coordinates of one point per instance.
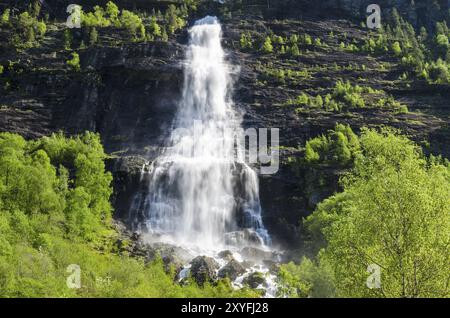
(127, 94)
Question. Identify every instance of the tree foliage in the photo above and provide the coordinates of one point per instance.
(394, 212)
(55, 211)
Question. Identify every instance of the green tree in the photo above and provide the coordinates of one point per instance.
(394, 213)
(93, 36)
(74, 62)
(305, 280)
(155, 29)
(112, 12)
(442, 40)
(307, 39)
(396, 48)
(267, 46)
(67, 39)
(4, 18)
(41, 28)
(295, 52)
(132, 22)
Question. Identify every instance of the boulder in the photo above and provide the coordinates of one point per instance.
(204, 269)
(226, 255)
(244, 237)
(258, 255)
(254, 280)
(232, 270)
(273, 266)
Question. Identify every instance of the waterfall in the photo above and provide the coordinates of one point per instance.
(199, 192)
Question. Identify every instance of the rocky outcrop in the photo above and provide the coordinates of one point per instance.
(174, 258)
(226, 255)
(204, 269)
(128, 179)
(259, 255)
(254, 280)
(244, 237)
(232, 270)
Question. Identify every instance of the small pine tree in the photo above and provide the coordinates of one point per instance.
(396, 48)
(142, 32)
(164, 35)
(155, 29)
(35, 9)
(67, 39)
(4, 18)
(307, 39)
(30, 37)
(93, 36)
(267, 46)
(295, 52)
(41, 28)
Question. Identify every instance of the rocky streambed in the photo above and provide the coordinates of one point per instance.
(254, 266)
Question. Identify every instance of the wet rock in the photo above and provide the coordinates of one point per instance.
(258, 255)
(248, 264)
(273, 266)
(173, 257)
(203, 269)
(232, 270)
(244, 237)
(127, 172)
(256, 279)
(226, 255)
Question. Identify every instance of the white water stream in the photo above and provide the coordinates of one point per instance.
(200, 195)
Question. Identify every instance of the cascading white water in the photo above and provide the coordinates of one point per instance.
(192, 192)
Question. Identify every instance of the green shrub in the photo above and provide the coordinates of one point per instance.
(396, 48)
(155, 29)
(349, 94)
(307, 39)
(112, 11)
(133, 23)
(41, 28)
(246, 42)
(340, 146)
(67, 39)
(438, 72)
(4, 18)
(74, 62)
(306, 280)
(97, 18)
(267, 46)
(294, 51)
(442, 40)
(93, 36)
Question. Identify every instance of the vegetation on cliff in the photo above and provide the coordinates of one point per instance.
(393, 213)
